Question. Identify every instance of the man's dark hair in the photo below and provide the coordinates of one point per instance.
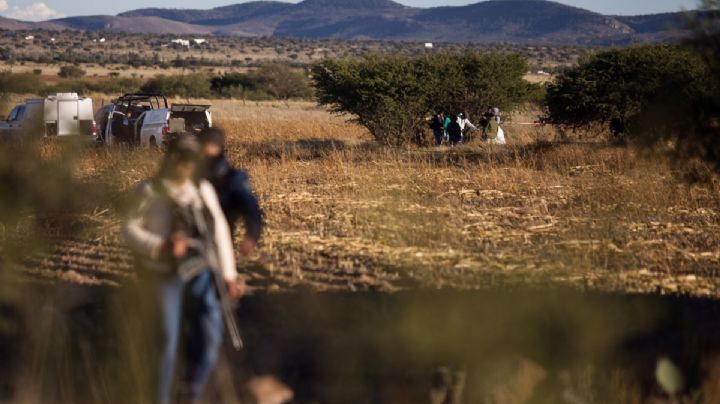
(212, 136)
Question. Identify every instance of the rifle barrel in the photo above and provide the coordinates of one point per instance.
(227, 306)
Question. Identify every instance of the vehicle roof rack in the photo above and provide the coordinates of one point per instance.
(134, 97)
(141, 96)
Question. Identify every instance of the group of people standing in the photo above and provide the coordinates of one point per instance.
(452, 128)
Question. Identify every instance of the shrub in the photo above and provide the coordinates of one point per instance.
(635, 90)
(188, 85)
(19, 83)
(270, 81)
(393, 95)
(281, 81)
(71, 72)
(232, 84)
(114, 86)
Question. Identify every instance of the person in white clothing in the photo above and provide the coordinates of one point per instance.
(492, 131)
(178, 232)
(465, 123)
(500, 138)
(496, 114)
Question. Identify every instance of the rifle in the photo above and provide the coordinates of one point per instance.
(209, 250)
(228, 309)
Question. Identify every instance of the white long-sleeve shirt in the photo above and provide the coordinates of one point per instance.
(150, 224)
(466, 123)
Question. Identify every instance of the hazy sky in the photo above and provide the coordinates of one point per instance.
(45, 9)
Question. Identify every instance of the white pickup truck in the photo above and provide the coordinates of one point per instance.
(147, 120)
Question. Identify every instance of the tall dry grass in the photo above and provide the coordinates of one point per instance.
(344, 213)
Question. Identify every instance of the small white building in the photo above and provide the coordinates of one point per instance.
(102, 40)
(429, 45)
(181, 42)
(30, 38)
(200, 41)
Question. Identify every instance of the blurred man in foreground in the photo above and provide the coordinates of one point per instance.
(179, 234)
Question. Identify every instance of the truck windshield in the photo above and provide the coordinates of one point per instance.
(16, 113)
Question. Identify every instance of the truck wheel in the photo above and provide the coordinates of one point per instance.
(153, 143)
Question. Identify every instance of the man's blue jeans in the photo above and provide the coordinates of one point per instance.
(197, 305)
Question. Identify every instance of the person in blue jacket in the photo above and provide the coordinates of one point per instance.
(233, 188)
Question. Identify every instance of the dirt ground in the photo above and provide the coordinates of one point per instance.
(345, 215)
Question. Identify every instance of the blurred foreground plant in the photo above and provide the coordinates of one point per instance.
(66, 343)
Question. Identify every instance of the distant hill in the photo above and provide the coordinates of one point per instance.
(15, 25)
(10, 24)
(522, 20)
(512, 21)
(219, 16)
(139, 24)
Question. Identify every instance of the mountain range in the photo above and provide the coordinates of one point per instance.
(508, 21)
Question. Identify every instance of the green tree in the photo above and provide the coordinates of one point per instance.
(641, 90)
(232, 83)
(19, 83)
(271, 81)
(281, 81)
(393, 95)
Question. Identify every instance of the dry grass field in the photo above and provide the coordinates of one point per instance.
(344, 214)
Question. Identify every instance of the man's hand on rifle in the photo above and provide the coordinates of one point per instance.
(236, 289)
(178, 244)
